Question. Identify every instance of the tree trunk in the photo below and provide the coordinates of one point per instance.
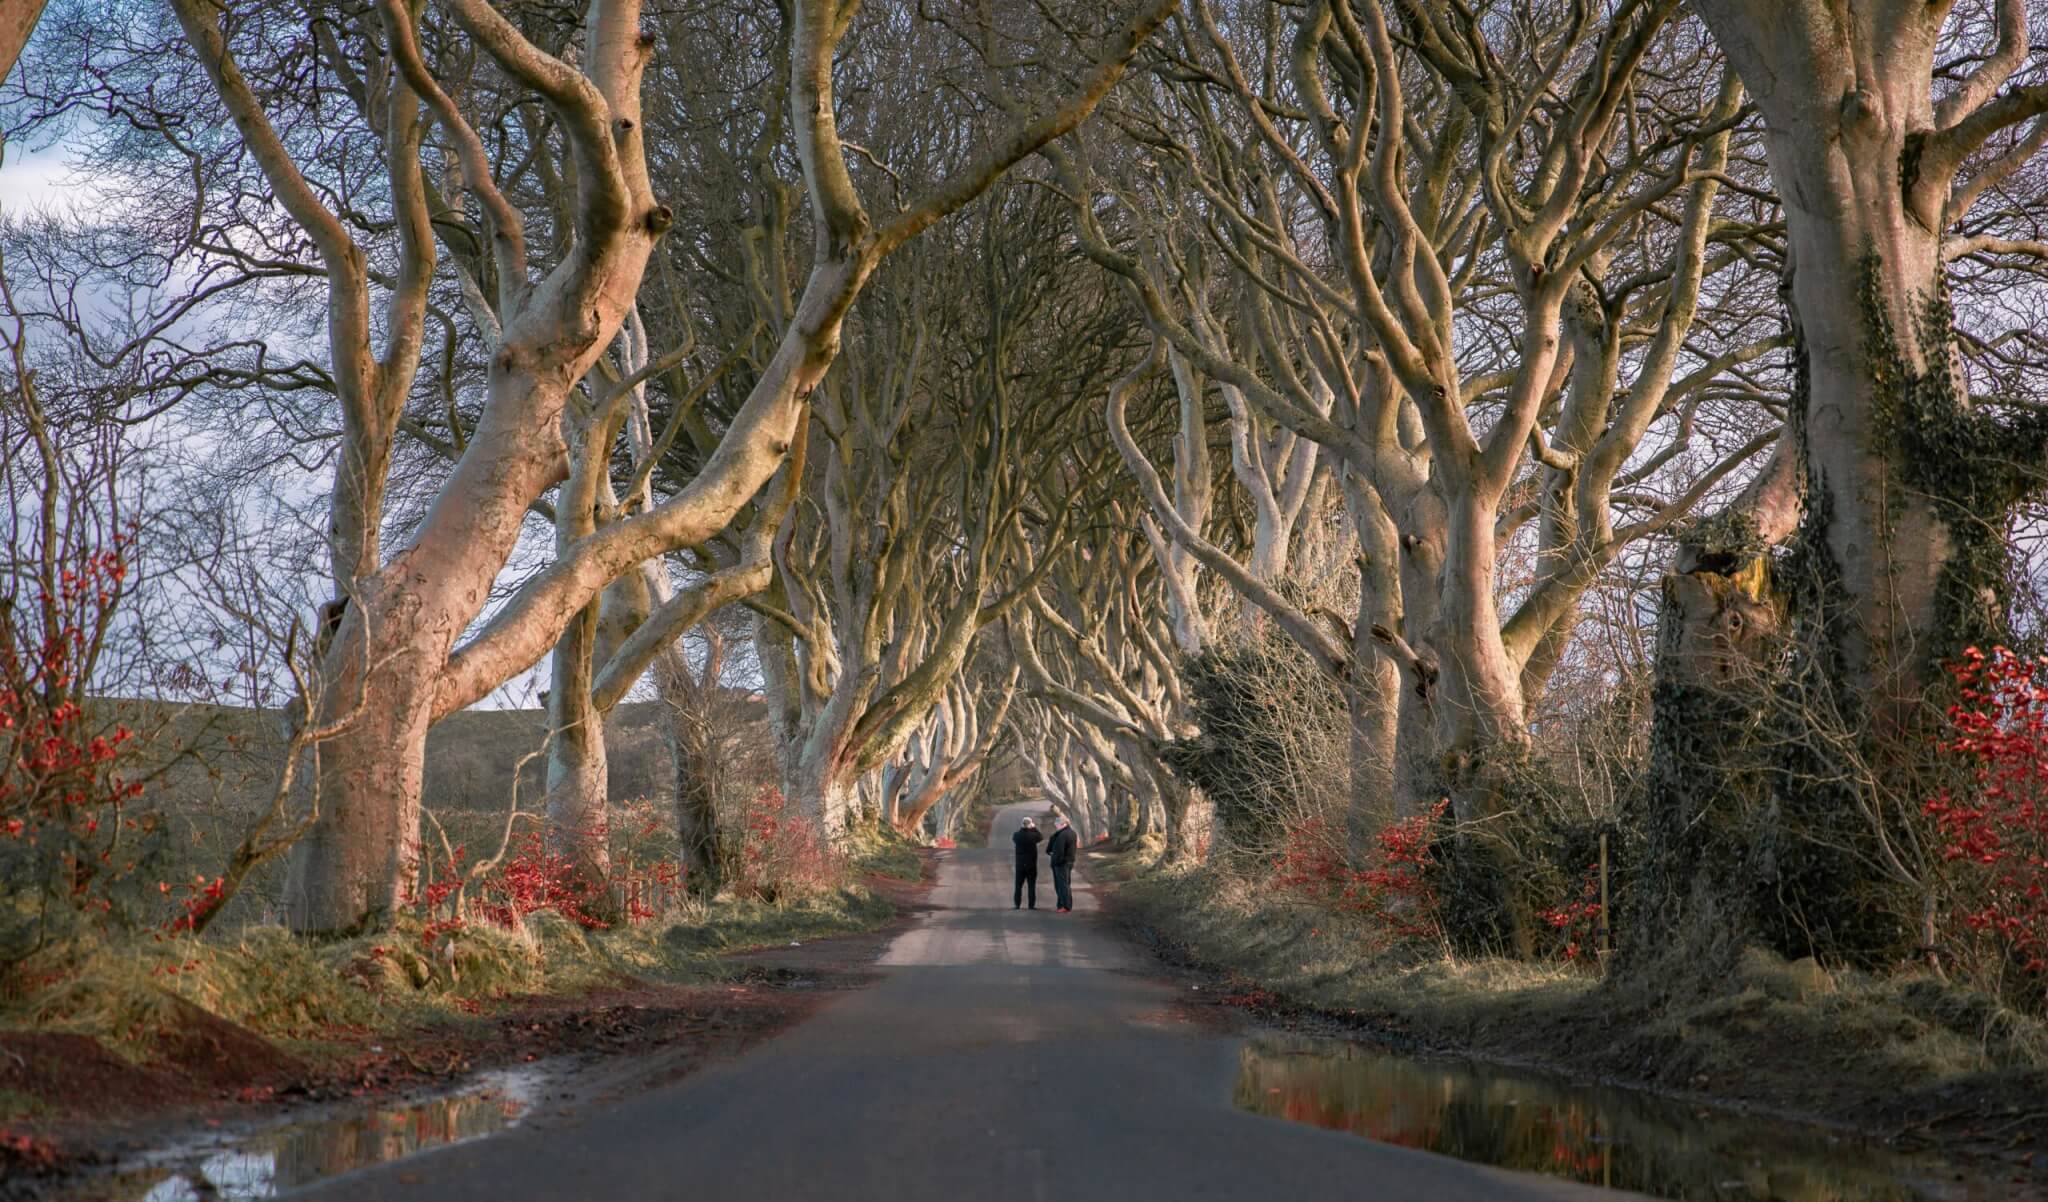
(1479, 706)
(17, 21)
(1418, 769)
(578, 782)
(1483, 741)
(1900, 560)
(1699, 822)
(358, 864)
(1719, 628)
(830, 804)
(1374, 692)
(894, 778)
(1178, 569)
(1887, 546)
(693, 744)
(1847, 106)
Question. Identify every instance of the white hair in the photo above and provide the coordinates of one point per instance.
(1060, 821)
(1030, 822)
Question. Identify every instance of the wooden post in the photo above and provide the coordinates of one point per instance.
(1604, 929)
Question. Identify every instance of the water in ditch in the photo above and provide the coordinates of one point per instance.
(266, 1163)
(1602, 1136)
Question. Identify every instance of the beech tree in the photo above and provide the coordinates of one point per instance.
(1384, 353)
(1877, 547)
(953, 747)
(1892, 129)
(1096, 648)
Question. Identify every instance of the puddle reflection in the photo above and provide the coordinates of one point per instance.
(1607, 1137)
(271, 1162)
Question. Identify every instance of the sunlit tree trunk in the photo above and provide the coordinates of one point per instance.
(1866, 163)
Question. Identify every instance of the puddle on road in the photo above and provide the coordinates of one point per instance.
(1602, 1136)
(267, 1163)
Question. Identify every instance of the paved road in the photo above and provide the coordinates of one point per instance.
(1004, 1056)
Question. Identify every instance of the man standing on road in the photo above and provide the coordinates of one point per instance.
(1026, 839)
(1060, 851)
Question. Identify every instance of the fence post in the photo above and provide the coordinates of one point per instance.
(1605, 928)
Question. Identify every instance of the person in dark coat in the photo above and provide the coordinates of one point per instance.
(1026, 839)
(1060, 852)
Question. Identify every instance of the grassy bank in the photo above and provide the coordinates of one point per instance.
(258, 991)
(1887, 1053)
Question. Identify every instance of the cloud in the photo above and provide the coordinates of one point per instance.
(38, 179)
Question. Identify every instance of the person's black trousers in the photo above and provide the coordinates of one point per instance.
(1027, 877)
(1063, 885)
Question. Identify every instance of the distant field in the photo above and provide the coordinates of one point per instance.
(471, 756)
(226, 761)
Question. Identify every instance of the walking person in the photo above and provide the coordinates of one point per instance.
(1026, 839)
(1060, 852)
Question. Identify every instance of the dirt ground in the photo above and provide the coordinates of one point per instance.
(83, 1107)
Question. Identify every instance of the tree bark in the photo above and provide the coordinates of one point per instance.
(1374, 691)
(358, 862)
(17, 21)
(578, 782)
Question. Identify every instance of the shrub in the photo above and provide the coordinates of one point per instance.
(1273, 750)
(1993, 834)
(782, 854)
(1576, 923)
(531, 879)
(1391, 894)
(67, 836)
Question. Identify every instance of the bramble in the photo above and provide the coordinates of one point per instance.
(782, 854)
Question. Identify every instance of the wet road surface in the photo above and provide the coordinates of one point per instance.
(1012, 1056)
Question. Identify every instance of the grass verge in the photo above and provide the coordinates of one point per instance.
(1877, 1052)
(882, 850)
(133, 993)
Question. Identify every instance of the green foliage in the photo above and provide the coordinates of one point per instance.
(1971, 463)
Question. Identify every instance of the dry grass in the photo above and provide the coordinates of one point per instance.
(127, 992)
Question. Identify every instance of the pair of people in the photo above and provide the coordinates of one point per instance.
(1059, 852)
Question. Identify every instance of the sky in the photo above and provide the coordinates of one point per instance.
(31, 179)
